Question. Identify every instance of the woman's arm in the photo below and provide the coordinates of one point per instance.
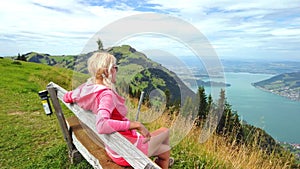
(141, 128)
(72, 96)
(104, 123)
(68, 97)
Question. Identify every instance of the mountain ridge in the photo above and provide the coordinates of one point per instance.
(131, 63)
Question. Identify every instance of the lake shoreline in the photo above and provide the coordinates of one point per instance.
(282, 94)
(260, 107)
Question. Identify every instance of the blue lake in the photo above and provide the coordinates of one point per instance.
(278, 116)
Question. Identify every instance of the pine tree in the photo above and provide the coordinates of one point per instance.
(237, 128)
(220, 112)
(209, 103)
(168, 98)
(228, 121)
(100, 44)
(229, 124)
(202, 111)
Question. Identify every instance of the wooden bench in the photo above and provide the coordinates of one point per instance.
(78, 141)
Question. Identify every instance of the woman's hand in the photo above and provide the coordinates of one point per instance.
(142, 129)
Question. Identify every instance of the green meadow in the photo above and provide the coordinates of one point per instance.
(28, 137)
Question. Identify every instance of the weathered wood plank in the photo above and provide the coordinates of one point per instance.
(92, 149)
(61, 120)
(115, 140)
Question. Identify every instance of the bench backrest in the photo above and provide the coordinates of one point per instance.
(115, 141)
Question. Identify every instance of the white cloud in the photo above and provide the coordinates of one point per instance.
(285, 32)
(33, 26)
(59, 27)
(243, 25)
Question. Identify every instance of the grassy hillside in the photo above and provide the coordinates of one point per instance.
(30, 139)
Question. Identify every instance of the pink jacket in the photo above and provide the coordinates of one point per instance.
(110, 111)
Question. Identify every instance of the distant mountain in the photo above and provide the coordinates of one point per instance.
(261, 66)
(212, 83)
(65, 61)
(39, 58)
(286, 84)
(136, 71)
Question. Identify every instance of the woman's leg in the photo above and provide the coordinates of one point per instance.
(159, 146)
(159, 142)
(163, 160)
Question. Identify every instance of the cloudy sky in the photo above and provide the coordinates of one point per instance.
(268, 29)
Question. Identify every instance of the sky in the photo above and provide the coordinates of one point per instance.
(268, 29)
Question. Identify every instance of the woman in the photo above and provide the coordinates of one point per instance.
(98, 95)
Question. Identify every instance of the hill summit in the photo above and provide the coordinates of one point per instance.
(137, 72)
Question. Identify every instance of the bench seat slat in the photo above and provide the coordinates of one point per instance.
(90, 148)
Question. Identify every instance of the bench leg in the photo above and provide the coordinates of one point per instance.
(73, 152)
(75, 156)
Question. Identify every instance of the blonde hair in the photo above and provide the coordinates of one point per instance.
(100, 65)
